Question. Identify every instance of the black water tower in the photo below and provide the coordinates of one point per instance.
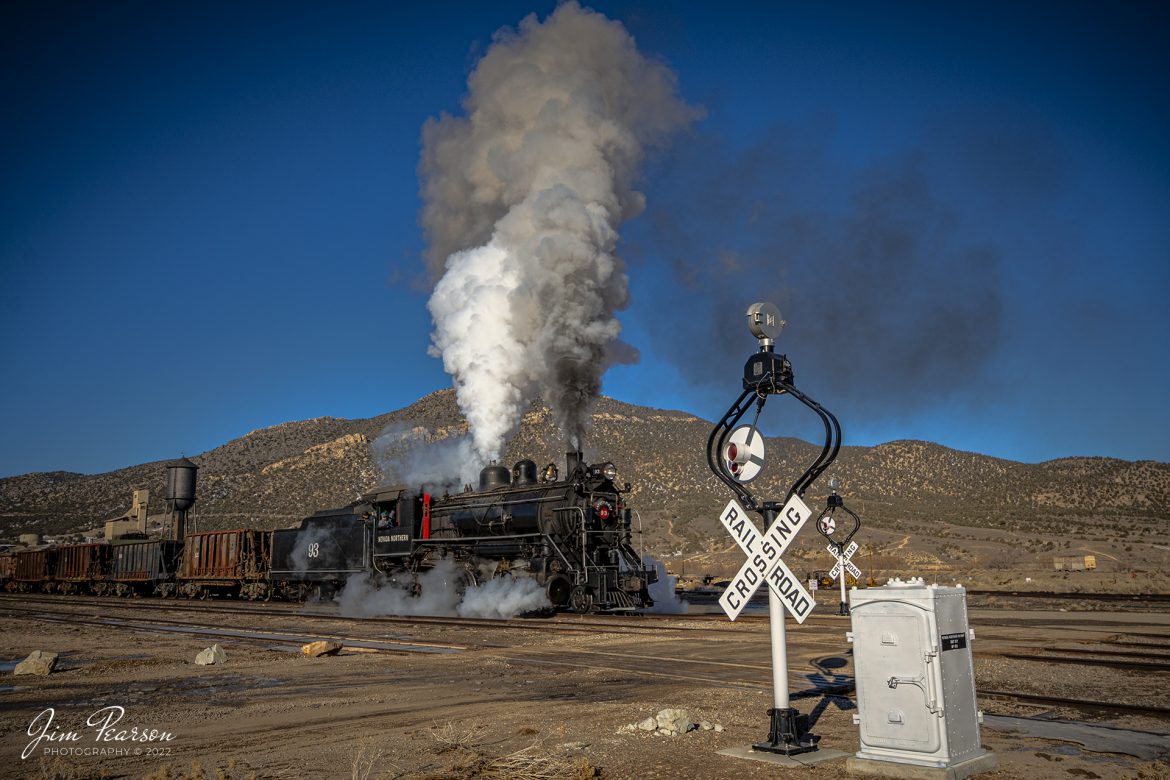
(180, 495)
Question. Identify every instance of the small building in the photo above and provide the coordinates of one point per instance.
(1074, 562)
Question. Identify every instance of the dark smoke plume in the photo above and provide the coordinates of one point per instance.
(890, 304)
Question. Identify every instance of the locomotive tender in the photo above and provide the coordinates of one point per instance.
(570, 535)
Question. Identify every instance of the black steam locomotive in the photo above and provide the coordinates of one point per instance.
(572, 535)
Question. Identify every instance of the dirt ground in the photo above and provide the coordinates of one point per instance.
(519, 704)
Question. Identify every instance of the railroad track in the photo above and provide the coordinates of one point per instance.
(1074, 660)
(1106, 627)
(263, 637)
(645, 623)
(1156, 598)
(756, 677)
(1086, 706)
(560, 623)
(636, 623)
(252, 636)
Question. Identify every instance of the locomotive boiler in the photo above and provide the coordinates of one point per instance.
(572, 535)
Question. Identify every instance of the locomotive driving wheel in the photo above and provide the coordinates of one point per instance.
(466, 577)
(581, 600)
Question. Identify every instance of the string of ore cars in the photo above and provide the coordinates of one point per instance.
(571, 535)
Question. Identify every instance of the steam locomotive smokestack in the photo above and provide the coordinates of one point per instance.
(523, 197)
(572, 461)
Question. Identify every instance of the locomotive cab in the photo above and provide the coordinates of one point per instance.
(397, 521)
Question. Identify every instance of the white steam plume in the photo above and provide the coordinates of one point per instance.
(499, 597)
(412, 455)
(662, 592)
(522, 200)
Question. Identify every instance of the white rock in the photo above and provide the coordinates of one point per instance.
(718, 728)
(212, 655)
(648, 725)
(674, 720)
(706, 725)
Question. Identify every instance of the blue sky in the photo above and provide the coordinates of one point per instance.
(209, 219)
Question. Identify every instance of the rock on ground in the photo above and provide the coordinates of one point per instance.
(320, 648)
(677, 721)
(38, 662)
(212, 655)
(668, 723)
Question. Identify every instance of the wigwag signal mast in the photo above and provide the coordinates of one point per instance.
(736, 456)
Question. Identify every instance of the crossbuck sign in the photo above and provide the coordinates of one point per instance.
(763, 562)
(843, 557)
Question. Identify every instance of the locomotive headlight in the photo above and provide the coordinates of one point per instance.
(610, 471)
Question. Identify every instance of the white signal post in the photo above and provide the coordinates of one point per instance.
(763, 564)
(736, 457)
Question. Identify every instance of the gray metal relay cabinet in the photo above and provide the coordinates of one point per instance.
(915, 680)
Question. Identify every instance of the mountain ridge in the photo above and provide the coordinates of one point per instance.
(273, 476)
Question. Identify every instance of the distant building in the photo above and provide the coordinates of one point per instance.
(1074, 562)
(133, 523)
